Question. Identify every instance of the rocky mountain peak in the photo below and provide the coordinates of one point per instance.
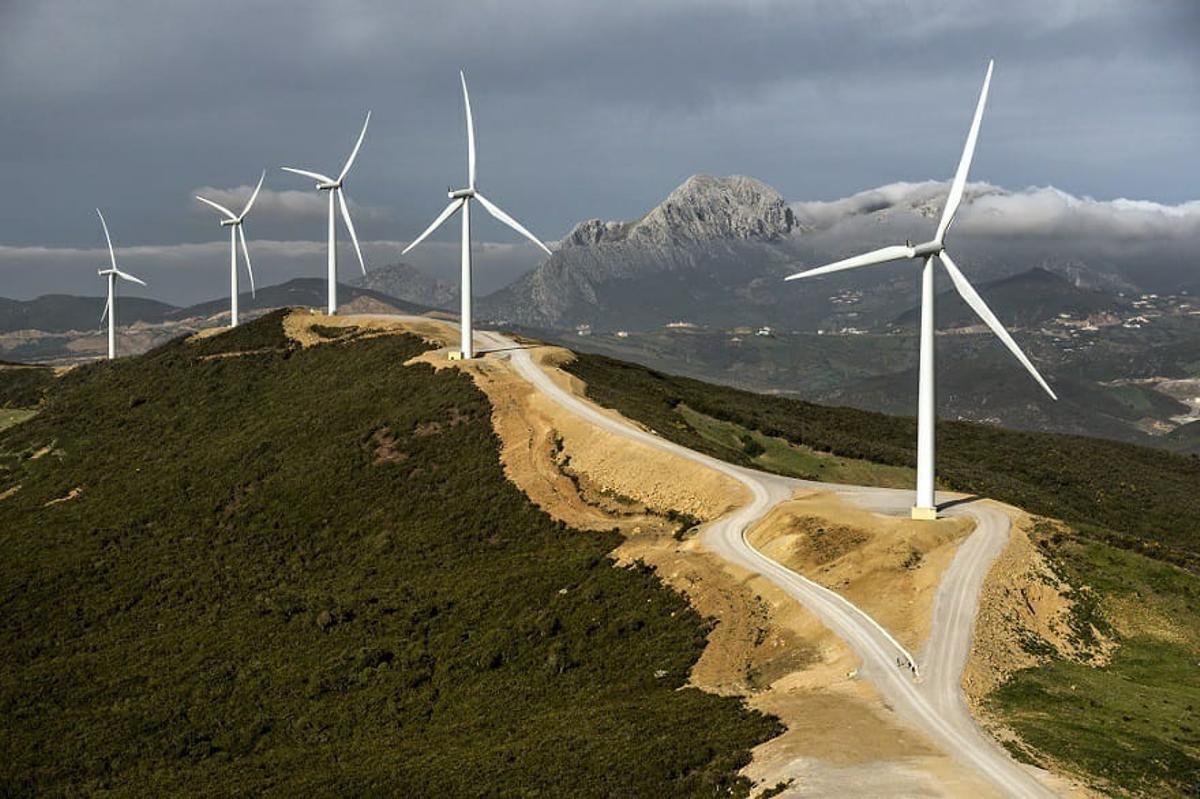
(704, 207)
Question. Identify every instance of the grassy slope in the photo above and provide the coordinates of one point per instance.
(23, 386)
(1133, 496)
(1136, 722)
(1131, 724)
(796, 460)
(279, 577)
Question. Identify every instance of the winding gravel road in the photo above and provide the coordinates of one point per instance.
(934, 704)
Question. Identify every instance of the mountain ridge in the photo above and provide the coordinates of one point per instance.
(711, 236)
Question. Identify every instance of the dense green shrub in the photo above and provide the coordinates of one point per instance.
(24, 386)
(265, 575)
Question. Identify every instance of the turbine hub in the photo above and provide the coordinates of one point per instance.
(458, 194)
(928, 248)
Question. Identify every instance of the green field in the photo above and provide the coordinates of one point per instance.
(239, 567)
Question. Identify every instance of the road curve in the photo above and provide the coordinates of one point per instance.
(936, 704)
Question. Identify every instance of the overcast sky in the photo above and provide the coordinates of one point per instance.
(582, 110)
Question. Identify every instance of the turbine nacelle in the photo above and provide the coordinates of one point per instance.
(935, 247)
(460, 194)
(931, 247)
(337, 200)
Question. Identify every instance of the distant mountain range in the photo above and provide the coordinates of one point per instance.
(60, 313)
(406, 282)
(1095, 291)
(1027, 299)
(715, 250)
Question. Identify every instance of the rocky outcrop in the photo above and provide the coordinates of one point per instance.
(408, 283)
(710, 236)
(704, 208)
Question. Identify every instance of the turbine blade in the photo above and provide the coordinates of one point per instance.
(964, 164)
(314, 175)
(350, 227)
(508, 220)
(254, 196)
(130, 278)
(104, 314)
(112, 256)
(222, 209)
(976, 302)
(881, 256)
(354, 152)
(246, 253)
(442, 217)
(470, 132)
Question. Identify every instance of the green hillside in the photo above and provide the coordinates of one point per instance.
(1132, 496)
(238, 567)
(1129, 727)
(23, 386)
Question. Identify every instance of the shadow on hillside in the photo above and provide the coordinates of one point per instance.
(490, 350)
(961, 501)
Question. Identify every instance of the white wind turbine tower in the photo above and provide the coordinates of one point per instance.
(110, 307)
(336, 196)
(925, 507)
(234, 223)
(461, 199)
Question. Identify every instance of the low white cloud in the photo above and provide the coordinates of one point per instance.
(187, 273)
(1047, 211)
(989, 210)
(822, 213)
(286, 204)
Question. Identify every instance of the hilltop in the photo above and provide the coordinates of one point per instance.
(238, 584)
(272, 568)
(64, 329)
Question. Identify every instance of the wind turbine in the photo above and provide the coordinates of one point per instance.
(334, 187)
(110, 307)
(935, 248)
(234, 223)
(461, 199)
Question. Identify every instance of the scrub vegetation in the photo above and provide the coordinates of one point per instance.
(22, 386)
(1129, 496)
(1130, 726)
(1133, 724)
(774, 454)
(237, 566)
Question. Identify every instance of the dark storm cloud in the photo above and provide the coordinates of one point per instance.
(583, 109)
